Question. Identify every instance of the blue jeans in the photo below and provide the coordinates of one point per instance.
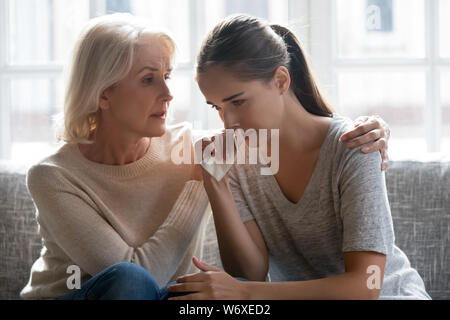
(122, 281)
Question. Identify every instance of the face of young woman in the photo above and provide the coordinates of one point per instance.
(138, 103)
(242, 104)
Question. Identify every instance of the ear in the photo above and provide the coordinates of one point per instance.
(104, 101)
(282, 79)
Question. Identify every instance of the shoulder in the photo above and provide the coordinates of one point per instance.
(43, 180)
(43, 175)
(346, 159)
(50, 170)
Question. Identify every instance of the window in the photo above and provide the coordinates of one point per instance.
(399, 96)
(52, 24)
(444, 10)
(445, 100)
(36, 39)
(380, 29)
(387, 57)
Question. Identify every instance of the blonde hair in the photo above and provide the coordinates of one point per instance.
(102, 56)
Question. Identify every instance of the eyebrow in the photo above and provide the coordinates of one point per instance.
(229, 98)
(153, 69)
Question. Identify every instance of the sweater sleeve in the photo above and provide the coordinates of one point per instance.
(70, 219)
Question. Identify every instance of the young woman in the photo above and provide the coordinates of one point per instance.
(321, 226)
(118, 218)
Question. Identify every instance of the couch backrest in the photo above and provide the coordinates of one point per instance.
(419, 195)
(20, 243)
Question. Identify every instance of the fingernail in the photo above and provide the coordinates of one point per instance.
(365, 149)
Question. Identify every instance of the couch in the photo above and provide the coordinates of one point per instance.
(418, 191)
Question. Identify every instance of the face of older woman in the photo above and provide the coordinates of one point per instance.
(137, 105)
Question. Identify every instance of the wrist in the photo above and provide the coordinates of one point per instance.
(247, 292)
(211, 182)
(255, 290)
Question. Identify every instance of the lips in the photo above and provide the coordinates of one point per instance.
(160, 115)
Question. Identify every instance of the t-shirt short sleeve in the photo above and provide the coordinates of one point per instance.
(364, 206)
(238, 190)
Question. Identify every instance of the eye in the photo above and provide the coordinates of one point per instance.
(147, 80)
(238, 103)
(215, 107)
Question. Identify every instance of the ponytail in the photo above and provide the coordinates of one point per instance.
(303, 83)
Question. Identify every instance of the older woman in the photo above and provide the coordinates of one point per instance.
(111, 205)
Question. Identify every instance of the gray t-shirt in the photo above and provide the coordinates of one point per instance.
(343, 208)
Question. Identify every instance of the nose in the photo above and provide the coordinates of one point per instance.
(230, 119)
(166, 94)
(168, 97)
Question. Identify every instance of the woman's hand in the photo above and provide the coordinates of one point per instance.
(207, 147)
(211, 284)
(372, 131)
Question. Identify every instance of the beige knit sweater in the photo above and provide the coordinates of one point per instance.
(94, 215)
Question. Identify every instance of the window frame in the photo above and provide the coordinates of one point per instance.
(9, 71)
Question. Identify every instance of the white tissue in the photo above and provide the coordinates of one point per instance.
(217, 170)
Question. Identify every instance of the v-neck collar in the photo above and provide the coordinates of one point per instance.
(277, 195)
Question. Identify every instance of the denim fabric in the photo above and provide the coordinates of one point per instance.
(121, 281)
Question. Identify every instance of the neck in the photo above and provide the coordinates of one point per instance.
(114, 147)
(300, 131)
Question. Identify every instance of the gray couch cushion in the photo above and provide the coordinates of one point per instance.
(20, 243)
(419, 194)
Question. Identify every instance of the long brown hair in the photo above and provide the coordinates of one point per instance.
(253, 50)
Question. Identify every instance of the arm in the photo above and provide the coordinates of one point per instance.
(242, 248)
(354, 283)
(70, 218)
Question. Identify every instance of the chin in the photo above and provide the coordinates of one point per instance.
(157, 132)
